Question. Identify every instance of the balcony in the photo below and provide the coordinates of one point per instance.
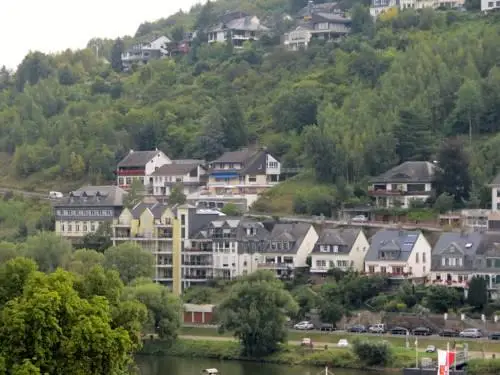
(275, 266)
(197, 264)
(384, 192)
(130, 172)
(198, 250)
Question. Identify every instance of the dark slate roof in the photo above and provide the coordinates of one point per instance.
(174, 169)
(409, 171)
(291, 232)
(490, 245)
(466, 244)
(344, 238)
(137, 158)
(329, 17)
(239, 156)
(253, 161)
(392, 240)
(325, 7)
(248, 23)
(92, 196)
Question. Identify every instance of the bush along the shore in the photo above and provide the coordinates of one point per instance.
(287, 354)
(484, 367)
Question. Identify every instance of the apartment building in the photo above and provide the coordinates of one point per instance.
(235, 244)
(165, 231)
(82, 211)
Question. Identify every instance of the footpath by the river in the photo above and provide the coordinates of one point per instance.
(321, 346)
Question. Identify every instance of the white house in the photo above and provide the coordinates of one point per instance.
(344, 249)
(399, 186)
(399, 254)
(187, 175)
(487, 5)
(139, 165)
(238, 27)
(142, 53)
(289, 245)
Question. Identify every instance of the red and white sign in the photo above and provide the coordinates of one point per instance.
(445, 361)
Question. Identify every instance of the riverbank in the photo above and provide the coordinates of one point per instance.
(296, 355)
(288, 355)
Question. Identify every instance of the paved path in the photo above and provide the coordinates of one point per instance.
(317, 346)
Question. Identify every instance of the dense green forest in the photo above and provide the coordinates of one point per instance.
(392, 91)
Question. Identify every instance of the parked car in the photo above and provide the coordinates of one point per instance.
(360, 219)
(56, 195)
(306, 341)
(377, 328)
(422, 331)
(343, 343)
(448, 333)
(303, 326)
(326, 327)
(471, 333)
(358, 328)
(494, 336)
(399, 331)
(430, 349)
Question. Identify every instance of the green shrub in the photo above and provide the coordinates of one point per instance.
(373, 353)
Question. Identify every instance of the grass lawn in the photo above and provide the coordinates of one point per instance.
(279, 199)
(333, 337)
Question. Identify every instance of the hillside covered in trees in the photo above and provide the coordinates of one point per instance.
(390, 92)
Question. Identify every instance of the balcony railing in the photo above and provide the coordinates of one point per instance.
(130, 172)
(384, 192)
(198, 250)
(281, 266)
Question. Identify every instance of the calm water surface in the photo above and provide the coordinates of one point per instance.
(154, 365)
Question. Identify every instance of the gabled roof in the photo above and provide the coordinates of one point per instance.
(329, 17)
(466, 245)
(188, 161)
(325, 7)
(392, 240)
(253, 161)
(248, 23)
(343, 238)
(289, 232)
(91, 196)
(496, 180)
(157, 209)
(174, 169)
(409, 171)
(137, 158)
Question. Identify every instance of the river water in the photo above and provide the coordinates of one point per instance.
(155, 365)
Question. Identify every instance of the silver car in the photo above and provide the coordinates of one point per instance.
(471, 333)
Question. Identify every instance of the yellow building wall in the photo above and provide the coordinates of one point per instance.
(146, 223)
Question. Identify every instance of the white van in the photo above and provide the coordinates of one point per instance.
(55, 195)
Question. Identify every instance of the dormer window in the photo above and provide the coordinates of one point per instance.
(335, 248)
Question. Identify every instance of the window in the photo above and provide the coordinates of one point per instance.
(77, 227)
(371, 269)
(383, 269)
(335, 248)
(183, 219)
(70, 228)
(272, 164)
(443, 261)
(84, 227)
(320, 264)
(416, 258)
(252, 178)
(423, 258)
(324, 248)
(92, 227)
(490, 4)
(62, 227)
